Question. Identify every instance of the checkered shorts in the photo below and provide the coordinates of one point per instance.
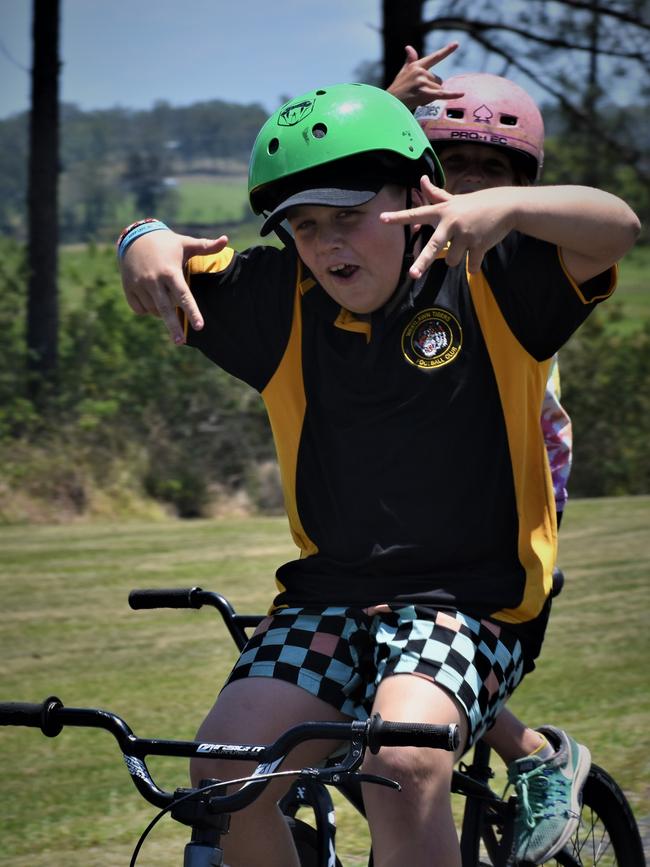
(341, 654)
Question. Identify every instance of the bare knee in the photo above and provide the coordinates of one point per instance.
(419, 771)
(256, 711)
(423, 807)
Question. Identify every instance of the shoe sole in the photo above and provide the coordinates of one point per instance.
(580, 777)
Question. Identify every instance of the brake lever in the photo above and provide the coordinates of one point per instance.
(336, 776)
(346, 769)
(380, 781)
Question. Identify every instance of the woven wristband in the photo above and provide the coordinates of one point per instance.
(135, 230)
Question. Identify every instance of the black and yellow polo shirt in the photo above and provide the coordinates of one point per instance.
(410, 446)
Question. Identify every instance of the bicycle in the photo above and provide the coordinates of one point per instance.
(607, 834)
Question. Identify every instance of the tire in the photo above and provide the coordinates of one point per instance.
(607, 835)
(304, 836)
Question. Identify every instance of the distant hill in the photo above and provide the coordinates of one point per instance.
(119, 154)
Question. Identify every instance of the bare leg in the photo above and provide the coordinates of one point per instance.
(257, 710)
(511, 739)
(414, 826)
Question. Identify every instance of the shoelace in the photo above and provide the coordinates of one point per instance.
(535, 786)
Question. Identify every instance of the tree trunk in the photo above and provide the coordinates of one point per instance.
(402, 25)
(42, 301)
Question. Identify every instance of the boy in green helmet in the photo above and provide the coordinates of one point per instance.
(403, 371)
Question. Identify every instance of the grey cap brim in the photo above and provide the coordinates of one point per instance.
(330, 197)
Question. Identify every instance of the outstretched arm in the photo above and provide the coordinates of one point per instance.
(592, 228)
(153, 279)
(415, 84)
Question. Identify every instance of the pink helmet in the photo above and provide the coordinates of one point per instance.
(494, 111)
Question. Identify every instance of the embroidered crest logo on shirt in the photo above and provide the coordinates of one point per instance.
(295, 112)
(432, 338)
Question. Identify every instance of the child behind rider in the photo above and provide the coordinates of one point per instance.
(493, 136)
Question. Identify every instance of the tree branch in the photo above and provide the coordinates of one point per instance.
(618, 14)
(474, 28)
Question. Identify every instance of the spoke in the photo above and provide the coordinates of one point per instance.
(595, 844)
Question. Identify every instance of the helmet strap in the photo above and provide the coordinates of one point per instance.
(285, 236)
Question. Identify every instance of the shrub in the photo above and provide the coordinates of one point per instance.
(606, 390)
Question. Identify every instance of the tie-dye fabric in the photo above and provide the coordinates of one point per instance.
(558, 437)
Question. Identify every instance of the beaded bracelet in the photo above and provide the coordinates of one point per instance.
(128, 235)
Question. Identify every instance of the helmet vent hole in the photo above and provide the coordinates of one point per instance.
(319, 130)
(508, 120)
(455, 113)
(321, 92)
(274, 144)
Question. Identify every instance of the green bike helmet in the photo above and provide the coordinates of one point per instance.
(336, 146)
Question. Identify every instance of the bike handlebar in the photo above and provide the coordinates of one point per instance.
(187, 597)
(22, 713)
(183, 597)
(195, 597)
(51, 716)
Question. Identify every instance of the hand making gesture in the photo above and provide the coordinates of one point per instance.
(415, 84)
(592, 228)
(153, 279)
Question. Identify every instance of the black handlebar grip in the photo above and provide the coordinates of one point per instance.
(22, 713)
(163, 598)
(395, 734)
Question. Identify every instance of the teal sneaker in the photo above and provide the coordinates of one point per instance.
(549, 797)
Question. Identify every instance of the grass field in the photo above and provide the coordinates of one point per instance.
(206, 199)
(67, 630)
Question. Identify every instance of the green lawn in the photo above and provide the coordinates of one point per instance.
(212, 199)
(67, 630)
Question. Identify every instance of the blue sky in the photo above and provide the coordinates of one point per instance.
(131, 53)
